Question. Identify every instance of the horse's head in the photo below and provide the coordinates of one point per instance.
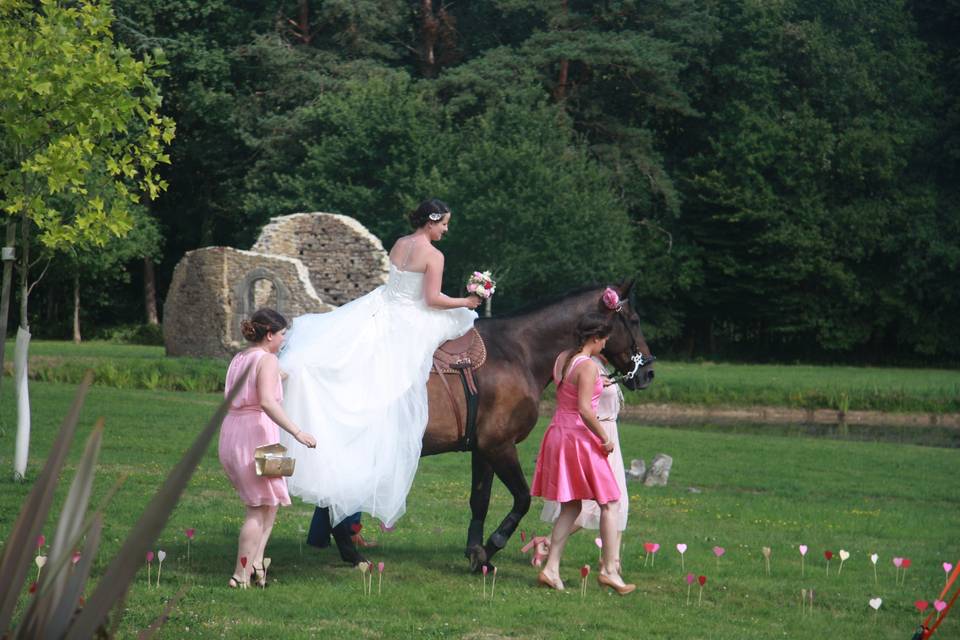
(626, 349)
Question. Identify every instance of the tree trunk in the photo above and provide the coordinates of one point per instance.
(8, 260)
(150, 291)
(24, 271)
(76, 307)
(560, 91)
(303, 22)
(429, 29)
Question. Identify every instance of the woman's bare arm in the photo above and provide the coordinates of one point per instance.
(586, 375)
(267, 375)
(432, 278)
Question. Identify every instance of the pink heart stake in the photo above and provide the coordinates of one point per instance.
(690, 580)
(380, 578)
(149, 565)
(651, 552)
(493, 587)
(682, 549)
(599, 542)
(803, 554)
(385, 528)
(41, 540)
(484, 569)
(904, 565)
(947, 568)
(584, 572)
(897, 562)
(75, 558)
(718, 551)
(939, 605)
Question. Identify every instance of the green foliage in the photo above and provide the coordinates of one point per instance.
(56, 607)
(80, 121)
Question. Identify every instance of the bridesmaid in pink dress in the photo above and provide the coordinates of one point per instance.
(254, 419)
(572, 464)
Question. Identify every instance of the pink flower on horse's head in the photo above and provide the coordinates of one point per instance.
(611, 299)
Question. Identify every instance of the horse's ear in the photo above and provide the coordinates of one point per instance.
(624, 288)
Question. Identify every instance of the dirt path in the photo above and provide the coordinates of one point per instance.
(687, 414)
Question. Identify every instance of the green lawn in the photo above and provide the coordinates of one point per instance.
(751, 491)
(705, 383)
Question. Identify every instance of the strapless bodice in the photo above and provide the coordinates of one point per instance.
(404, 286)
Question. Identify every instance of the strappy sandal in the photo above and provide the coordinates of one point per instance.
(260, 576)
(237, 583)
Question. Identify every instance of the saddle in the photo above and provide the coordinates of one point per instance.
(463, 356)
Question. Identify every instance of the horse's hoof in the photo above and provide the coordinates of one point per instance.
(478, 558)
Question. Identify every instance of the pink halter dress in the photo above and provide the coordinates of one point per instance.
(245, 428)
(572, 464)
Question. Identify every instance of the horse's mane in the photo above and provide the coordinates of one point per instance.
(542, 303)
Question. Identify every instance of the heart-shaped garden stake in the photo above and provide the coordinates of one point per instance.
(682, 549)
(939, 605)
(844, 556)
(803, 554)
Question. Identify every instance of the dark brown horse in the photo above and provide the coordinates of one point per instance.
(521, 350)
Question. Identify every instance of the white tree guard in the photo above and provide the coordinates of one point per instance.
(23, 404)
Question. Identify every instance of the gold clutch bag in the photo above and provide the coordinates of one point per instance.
(271, 462)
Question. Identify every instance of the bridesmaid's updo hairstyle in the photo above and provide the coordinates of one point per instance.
(593, 325)
(262, 322)
(431, 210)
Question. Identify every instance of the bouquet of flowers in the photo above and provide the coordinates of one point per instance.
(481, 285)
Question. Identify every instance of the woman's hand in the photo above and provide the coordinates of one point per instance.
(473, 301)
(306, 439)
(607, 447)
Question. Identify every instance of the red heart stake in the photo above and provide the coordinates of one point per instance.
(648, 547)
(906, 563)
(702, 580)
(921, 605)
(828, 555)
(243, 561)
(584, 571)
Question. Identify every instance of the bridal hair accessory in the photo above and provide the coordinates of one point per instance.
(437, 217)
(270, 461)
(611, 299)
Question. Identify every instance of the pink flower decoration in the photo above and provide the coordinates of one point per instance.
(611, 299)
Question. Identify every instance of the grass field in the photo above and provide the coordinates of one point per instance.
(751, 491)
(706, 383)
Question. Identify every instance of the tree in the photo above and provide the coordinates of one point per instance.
(81, 137)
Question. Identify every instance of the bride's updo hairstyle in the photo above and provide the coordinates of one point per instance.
(431, 210)
(262, 322)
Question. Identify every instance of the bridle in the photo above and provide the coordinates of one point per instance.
(638, 359)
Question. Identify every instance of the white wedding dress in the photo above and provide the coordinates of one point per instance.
(356, 380)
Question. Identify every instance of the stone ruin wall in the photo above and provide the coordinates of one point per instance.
(215, 288)
(345, 260)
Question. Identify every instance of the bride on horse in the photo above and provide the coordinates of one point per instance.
(357, 379)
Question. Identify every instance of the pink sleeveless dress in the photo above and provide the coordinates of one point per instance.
(245, 428)
(572, 464)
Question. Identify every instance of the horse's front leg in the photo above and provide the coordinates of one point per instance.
(482, 482)
(506, 465)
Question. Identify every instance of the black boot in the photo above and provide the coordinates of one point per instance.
(348, 551)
